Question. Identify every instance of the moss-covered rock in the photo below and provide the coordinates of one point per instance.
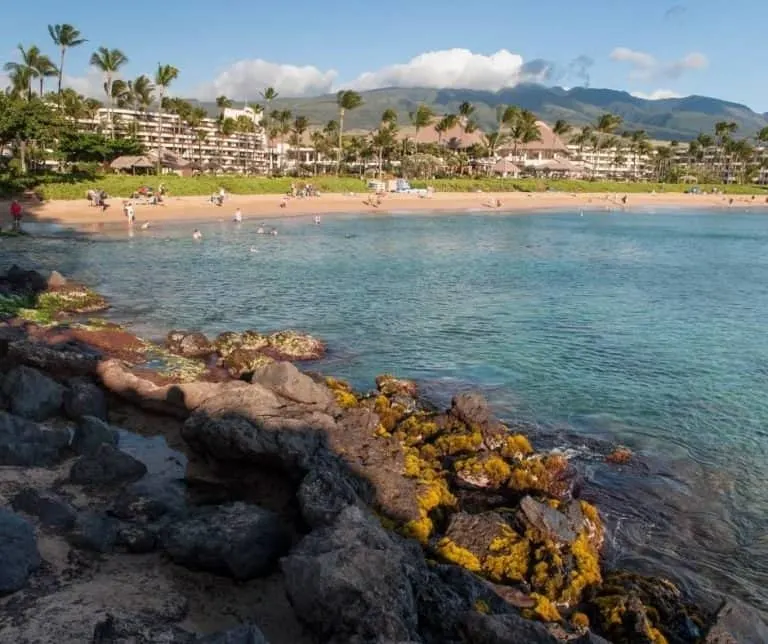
(189, 344)
(630, 608)
(243, 362)
(71, 299)
(342, 391)
(294, 346)
(389, 385)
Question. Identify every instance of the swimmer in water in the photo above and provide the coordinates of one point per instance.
(260, 230)
(317, 219)
(273, 232)
(197, 235)
(145, 225)
(238, 216)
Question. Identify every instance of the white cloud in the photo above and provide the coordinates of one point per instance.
(92, 84)
(646, 67)
(657, 95)
(450, 68)
(246, 78)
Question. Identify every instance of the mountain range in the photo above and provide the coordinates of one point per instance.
(667, 119)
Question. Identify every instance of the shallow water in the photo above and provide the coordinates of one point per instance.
(643, 328)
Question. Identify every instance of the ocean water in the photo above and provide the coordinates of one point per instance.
(640, 328)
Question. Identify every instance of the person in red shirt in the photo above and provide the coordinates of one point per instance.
(16, 214)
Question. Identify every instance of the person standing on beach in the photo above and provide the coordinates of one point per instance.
(16, 214)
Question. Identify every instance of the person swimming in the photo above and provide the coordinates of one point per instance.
(317, 219)
(145, 225)
(238, 216)
(273, 232)
(260, 230)
(197, 235)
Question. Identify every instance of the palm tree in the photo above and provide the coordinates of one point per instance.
(300, 125)
(466, 110)
(523, 129)
(30, 67)
(445, 124)
(319, 144)
(723, 132)
(561, 127)
(109, 62)
(164, 76)
(143, 92)
(223, 103)
(269, 95)
(385, 136)
(45, 69)
(346, 100)
(605, 126)
(421, 118)
(64, 36)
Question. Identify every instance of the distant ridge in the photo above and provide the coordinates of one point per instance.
(666, 119)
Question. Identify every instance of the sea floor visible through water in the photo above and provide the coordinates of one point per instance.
(641, 328)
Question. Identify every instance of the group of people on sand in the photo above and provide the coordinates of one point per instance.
(307, 191)
(217, 198)
(98, 199)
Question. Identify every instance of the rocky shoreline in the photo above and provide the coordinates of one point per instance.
(294, 509)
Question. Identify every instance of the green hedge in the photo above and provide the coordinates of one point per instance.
(122, 186)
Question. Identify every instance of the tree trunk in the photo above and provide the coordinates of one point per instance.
(109, 107)
(158, 165)
(341, 135)
(22, 156)
(61, 71)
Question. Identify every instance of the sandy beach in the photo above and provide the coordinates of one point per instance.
(79, 214)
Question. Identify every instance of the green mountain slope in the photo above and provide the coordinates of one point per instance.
(676, 118)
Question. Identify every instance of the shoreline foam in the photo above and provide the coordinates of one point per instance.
(78, 214)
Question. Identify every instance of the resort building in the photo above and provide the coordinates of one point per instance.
(204, 147)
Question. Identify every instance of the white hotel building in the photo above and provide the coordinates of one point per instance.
(203, 147)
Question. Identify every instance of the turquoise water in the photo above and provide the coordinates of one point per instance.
(639, 328)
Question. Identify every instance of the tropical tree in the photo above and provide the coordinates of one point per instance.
(23, 121)
(33, 64)
(109, 62)
(299, 127)
(346, 100)
(605, 126)
(385, 138)
(64, 36)
(164, 76)
(269, 94)
(445, 124)
(562, 128)
(142, 91)
(523, 129)
(422, 117)
(466, 110)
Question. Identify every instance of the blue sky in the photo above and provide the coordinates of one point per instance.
(654, 47)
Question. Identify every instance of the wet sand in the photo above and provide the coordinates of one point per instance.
(79, 214)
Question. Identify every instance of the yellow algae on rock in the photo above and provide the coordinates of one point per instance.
(481, 606)
(433, 494)
(545, 610)
(510, 557)
(491, 471)
(454, 553)
(451, 444)
(580, 621)
(415, 429)
(516, 446)
(345, 397)
(389, 414)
